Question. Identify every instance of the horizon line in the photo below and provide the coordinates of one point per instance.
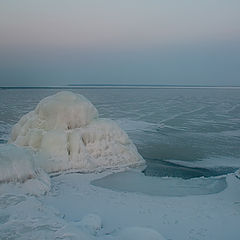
(122, 86)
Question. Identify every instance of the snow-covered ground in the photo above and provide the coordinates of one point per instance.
(76, 209)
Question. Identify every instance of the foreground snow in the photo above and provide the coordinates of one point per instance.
(76, 209)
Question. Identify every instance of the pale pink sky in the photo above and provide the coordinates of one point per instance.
(125, 23)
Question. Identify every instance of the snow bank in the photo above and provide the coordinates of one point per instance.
(37, 186)
(66, 133)
(16, 164)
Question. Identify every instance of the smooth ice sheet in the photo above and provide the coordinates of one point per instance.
(132, 181)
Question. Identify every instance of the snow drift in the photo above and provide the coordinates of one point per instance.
(65, 131)
(16, 164)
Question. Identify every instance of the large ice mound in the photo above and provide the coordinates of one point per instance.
(66, 132)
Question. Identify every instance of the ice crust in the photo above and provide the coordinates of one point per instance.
(65, 133)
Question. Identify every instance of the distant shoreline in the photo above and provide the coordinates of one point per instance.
(112, 86)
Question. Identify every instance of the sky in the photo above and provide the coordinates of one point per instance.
(170, 42)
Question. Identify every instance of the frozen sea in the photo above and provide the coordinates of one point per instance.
(190, 140)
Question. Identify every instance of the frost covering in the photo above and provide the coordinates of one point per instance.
(66, 130)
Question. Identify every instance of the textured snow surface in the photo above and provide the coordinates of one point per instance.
(75, 209)
(65, 132)
(91, 223)
(139, 233)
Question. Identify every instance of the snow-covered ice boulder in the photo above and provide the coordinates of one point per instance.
(139, 233)
(16, 163)
(66, 132)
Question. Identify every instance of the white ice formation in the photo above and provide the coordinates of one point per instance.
(65, 133)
